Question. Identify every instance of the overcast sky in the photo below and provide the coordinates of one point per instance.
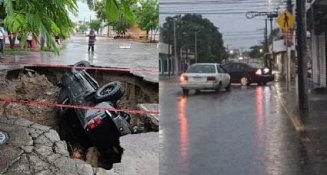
(83, 13)
(228, 16)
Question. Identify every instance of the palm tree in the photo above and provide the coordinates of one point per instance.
(46, 19)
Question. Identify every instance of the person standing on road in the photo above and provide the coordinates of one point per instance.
(29, 39)
(2, 37)
(92, 38)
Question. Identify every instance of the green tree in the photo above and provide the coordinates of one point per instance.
(46, 19)
(113, 9)
(147, 16)
(83, 27)
(210, 47)
(122, 21)
(256, 51)
(95, 25)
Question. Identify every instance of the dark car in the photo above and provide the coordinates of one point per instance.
(101, 127)
(246, 74)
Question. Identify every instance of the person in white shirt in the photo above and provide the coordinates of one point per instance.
(2, 37)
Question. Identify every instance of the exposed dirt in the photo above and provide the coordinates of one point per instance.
(31, 87)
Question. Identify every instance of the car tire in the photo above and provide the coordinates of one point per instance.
(111, 91)
(264, 83)
(185, 92)
(245, 81)
(228, 87)
(81, 64)
(218, 88)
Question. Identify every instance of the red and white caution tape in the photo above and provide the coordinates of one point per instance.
(81, 67)
(40, 103)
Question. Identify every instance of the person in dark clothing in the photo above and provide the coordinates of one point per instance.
(92, 39)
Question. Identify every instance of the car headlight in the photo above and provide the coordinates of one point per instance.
(259, 72)
(265, 70)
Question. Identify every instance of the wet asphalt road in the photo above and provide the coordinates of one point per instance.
(108, 52)
(245, 131)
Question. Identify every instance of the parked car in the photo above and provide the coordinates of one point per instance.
(246, 74)
(204, 76)
(101, 127)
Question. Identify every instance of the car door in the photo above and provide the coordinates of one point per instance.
(234, 71)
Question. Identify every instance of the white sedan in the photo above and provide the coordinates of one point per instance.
(204, 76)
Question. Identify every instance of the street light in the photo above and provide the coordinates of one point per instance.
(231, 52)
(261, 50)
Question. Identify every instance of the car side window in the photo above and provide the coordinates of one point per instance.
(236, 67)
(227, 67)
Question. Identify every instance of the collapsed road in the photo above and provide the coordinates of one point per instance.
(41, 84)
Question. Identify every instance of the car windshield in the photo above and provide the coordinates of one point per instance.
(202, 69)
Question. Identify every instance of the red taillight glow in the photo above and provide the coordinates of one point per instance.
(211, 78)
(184, 78)
(97, 121)
(259, 72)
(92, 124)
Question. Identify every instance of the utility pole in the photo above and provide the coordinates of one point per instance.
(301, 52)
(266, 42)
(175, 69)
(288, 49)
(196, 47)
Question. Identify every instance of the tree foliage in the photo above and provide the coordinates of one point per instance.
(147, 15)
(113, 9)
(122, 20)
(209, 40)
(95, 25)
(46, 18)
(255, 51)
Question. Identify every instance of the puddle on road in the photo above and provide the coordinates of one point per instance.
(40, 84)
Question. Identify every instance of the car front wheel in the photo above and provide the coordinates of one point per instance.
(185, 92)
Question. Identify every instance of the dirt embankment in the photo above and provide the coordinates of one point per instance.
(30, 87)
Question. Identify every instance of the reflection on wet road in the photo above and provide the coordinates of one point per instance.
(244, 131)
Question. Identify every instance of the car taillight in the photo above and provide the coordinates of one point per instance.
(184, 78)
(259, 72)
(92, 124)
(97, 121)
(211, 78)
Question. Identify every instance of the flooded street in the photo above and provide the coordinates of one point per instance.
(245, 131)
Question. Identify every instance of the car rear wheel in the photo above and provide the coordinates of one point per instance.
(79, 65)
(218, 88)
(185, 92)
(111, 91)
(244, 81)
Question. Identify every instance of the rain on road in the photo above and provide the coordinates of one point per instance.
(244, 131)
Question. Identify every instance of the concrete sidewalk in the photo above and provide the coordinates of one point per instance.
(311, 125)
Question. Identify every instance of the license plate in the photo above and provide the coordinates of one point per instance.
(197, 78)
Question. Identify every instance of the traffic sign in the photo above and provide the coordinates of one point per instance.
(286, 21)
